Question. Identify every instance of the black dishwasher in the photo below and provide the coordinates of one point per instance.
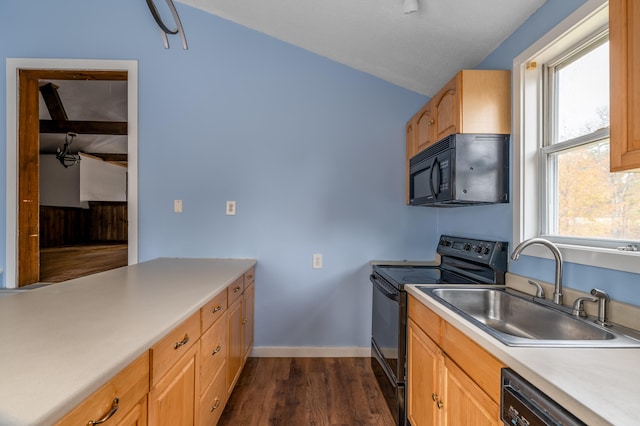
(522, 404)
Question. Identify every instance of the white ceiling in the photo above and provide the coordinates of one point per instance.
(420, 51)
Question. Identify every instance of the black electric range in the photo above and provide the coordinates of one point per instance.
(462, 261)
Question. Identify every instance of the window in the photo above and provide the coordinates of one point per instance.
(563, 190)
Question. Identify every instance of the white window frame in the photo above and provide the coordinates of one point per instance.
(528, 192)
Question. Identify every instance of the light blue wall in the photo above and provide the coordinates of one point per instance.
(312, 151)
(496, 221)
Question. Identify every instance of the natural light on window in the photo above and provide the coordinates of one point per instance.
(585, 199)
(562, 187)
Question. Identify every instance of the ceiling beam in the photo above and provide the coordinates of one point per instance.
(119, 158)
(53, 102)
(84, 127)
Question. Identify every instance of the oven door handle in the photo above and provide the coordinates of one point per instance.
(383, 289)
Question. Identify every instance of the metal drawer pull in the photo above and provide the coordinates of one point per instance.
(181, 342)
(237, 289)
(244, 321)
(114, 408)
(215, 405)
(435, 397)
(216, 309)
(216, 350)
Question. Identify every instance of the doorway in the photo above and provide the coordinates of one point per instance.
(24, 231)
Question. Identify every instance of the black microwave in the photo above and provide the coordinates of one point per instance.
(459, 170)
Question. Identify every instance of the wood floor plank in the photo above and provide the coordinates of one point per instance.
(59, 264)
(306, 391)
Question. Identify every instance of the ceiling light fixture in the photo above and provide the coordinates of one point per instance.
(64, 155)
(410, 6)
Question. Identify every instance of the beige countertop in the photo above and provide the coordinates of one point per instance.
(600, 386)
(62, 342)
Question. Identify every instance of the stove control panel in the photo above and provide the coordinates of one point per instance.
(485, 252)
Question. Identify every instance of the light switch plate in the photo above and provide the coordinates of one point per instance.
(177, 206)
(317, 261)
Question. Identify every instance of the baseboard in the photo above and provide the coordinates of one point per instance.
(310, 352)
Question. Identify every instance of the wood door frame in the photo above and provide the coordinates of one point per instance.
(14, 65)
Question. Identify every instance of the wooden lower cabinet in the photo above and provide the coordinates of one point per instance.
(186, 377)
(424, 363)
(247, 321)
(465, 403)
(214, 399)
(118, 400)
(172, 401)
(234, 337)
(440, 392)
(137, 416)
(240, 329)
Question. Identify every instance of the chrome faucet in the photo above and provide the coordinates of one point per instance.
(557, 292)
(602, 298)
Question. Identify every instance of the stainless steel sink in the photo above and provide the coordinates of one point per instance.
(517, 320)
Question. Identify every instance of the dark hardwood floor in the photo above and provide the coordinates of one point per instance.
(306, 391)
(59, 264)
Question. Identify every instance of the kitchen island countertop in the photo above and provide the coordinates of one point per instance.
(601, 386)
(61, 342)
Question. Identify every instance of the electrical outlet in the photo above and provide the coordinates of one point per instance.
(317, 261)
(177, 206)
(231, 208)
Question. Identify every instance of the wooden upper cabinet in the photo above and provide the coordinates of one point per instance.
(474, 101)
(411, 149)
(425, 128)
(624, 51)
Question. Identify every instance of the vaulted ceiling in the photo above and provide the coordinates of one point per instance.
(419, 51)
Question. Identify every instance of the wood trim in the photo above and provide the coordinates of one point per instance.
(52, 74)
(27, 205)
(28, 269)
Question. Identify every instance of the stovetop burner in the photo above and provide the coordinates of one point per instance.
(401, 275)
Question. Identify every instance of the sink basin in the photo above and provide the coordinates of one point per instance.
(517, 320)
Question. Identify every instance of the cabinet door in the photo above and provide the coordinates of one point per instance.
(247, 321)
(425, 362)
(173, 400)
(464, 403)
(425, 128)
(410, 149)
(624, 50)
(234, 347)
(446, 109)
(137, 416)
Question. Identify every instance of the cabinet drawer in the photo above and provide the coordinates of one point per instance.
(235, 290)
(167, 351)
(213, 351)
(249, 277)
(428, 320)
(213, 310)
(129, 387)
(479, 364)
(213, 401)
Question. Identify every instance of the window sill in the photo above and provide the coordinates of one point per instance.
(592, 256)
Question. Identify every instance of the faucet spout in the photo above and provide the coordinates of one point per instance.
(557, 293)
